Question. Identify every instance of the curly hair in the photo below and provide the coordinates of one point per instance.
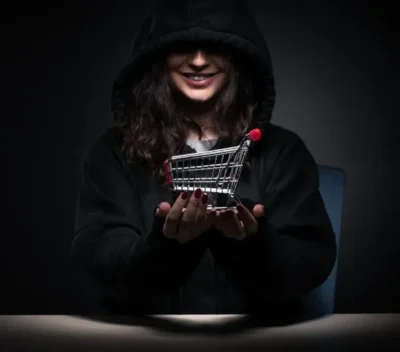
(154, 127)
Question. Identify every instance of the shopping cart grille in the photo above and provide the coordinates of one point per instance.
(215, 171)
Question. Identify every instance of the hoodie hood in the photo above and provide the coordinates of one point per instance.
(225, 22)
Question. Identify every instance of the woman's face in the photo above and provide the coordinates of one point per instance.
(199, 75)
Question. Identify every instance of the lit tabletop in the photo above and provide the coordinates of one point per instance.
(196, 333)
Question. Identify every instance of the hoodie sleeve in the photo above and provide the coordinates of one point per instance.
(109, 238)
(295, 249)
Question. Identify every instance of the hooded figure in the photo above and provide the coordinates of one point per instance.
(123, 243)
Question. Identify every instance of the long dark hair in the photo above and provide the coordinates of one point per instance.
(153, 126)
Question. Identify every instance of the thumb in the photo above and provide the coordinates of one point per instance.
(163, 209)
(258, 211)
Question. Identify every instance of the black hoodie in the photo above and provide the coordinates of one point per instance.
(120, 242)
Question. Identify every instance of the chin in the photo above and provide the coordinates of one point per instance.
(198, 96)
(198, 99)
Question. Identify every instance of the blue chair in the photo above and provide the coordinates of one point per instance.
(321, 301)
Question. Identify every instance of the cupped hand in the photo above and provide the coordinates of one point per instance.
(190, 223)
(239, 225)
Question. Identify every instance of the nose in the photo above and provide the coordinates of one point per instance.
(198, 59)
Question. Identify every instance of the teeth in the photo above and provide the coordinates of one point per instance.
(198, 78)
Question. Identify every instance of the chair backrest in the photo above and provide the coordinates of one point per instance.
(321, 301)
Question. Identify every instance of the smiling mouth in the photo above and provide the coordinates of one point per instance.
(198, 76)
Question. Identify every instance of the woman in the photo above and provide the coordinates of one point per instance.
(200, 78)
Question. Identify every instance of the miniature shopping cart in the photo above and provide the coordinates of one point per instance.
(215, 172)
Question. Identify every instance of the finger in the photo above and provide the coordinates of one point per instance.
(239, 231)
(203, 218)
(192, 207)
(249, 222)
(222, 220)
(174, 215)
(179, 204)
(201, 214)
(258, 211)
(209, 220)
(163, 209)
(186, 224)
(231, 224)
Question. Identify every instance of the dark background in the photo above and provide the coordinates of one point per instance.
(337, 75)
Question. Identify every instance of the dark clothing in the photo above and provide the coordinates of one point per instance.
(122, 245)
(120, 242)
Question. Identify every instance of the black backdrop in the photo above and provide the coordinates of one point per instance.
(337, 87)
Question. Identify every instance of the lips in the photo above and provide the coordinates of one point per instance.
(190, 75)
(198, 79)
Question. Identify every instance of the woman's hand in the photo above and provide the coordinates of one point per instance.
(187, 225)
(240, 225)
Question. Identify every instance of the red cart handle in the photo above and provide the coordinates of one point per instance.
(255, 135)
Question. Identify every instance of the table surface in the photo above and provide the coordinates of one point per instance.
(197, 333)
